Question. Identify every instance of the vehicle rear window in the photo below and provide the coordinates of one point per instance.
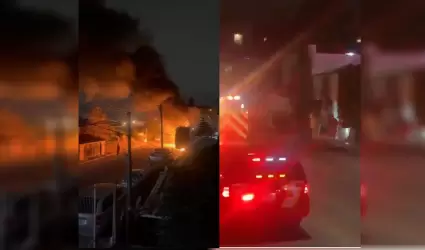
(296, 172)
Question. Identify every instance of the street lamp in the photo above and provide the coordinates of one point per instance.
(359, 40)
(238, 38)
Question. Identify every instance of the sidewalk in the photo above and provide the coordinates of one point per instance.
(122, 152)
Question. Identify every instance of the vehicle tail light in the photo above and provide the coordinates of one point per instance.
(256, 159)
(259, 176)
(247, 197)
(270, 176)
(306, 189)
(269, 159)
(226, 192)
(302, 186)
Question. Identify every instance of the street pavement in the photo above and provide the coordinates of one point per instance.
(396, 187)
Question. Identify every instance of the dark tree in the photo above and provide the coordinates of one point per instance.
(191, 102)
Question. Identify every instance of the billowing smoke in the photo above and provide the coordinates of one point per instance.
(116, 59)
(103, 63)
(35, 48)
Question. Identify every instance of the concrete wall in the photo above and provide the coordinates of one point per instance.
(111, 147)
(92, 150)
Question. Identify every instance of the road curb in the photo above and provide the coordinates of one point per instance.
(97, 158)
(106, 156)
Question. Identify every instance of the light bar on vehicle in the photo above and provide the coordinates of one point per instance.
(259, 176)
(268, 159)
(231, 98)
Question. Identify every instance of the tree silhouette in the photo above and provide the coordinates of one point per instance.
(98, 125)
(191, 102)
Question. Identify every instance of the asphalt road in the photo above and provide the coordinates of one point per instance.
(396, 198)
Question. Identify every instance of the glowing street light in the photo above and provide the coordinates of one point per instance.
(350, 54)
(237, 97)
(238, 38)
(359, 40)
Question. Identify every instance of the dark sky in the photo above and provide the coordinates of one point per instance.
(186, 33)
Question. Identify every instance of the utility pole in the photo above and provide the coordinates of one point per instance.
(129, 184)
(161, 119)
